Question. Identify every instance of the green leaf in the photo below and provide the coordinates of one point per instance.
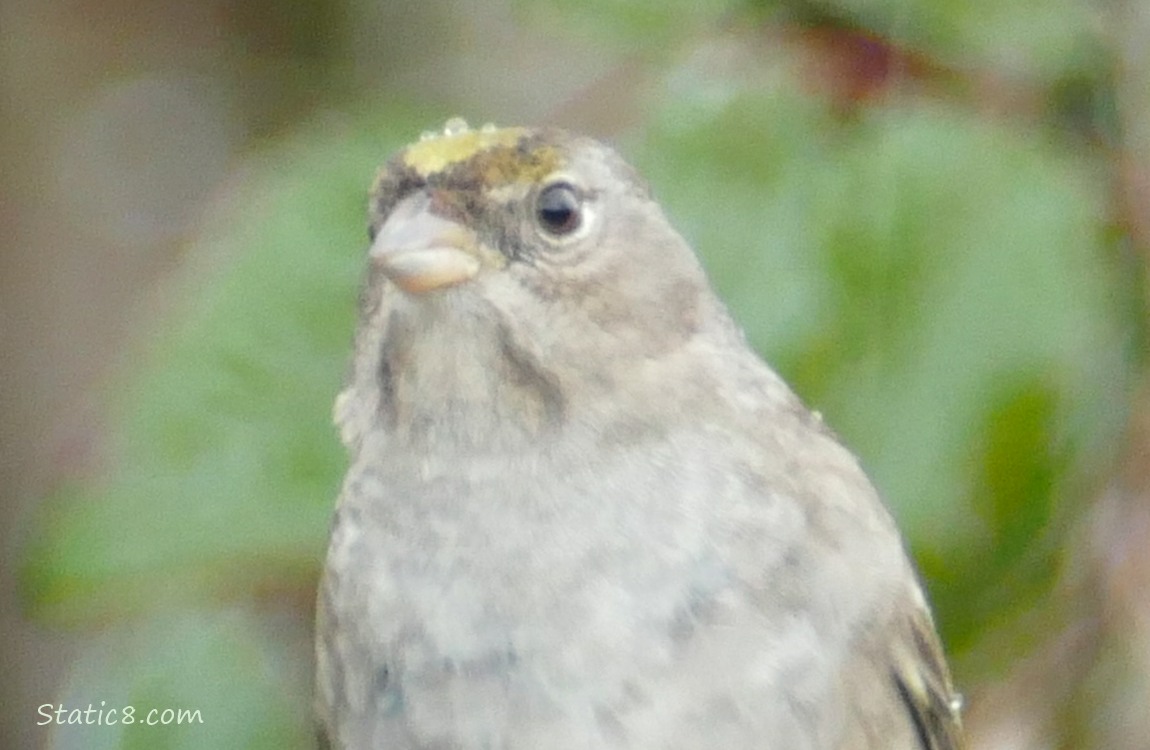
(938, 286)
(186, 681)
(223, 462)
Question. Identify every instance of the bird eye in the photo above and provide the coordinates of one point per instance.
(558, 209)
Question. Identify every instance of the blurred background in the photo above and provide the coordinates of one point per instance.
(933, 217)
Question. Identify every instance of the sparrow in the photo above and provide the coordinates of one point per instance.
(580, 511)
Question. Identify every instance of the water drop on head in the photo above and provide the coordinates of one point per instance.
(455, 126)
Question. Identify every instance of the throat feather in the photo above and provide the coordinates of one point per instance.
(452, 379)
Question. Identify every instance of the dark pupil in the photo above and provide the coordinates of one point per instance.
(558, 209)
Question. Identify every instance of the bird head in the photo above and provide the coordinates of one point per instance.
(520, 256)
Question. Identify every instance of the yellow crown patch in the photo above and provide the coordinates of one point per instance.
(493, 152)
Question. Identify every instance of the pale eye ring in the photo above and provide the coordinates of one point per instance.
(559, 209)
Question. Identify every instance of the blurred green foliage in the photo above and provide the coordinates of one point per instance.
(247, 691)
(935, 284)
(932, 279)
(225, 461)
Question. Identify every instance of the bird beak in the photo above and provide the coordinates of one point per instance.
(421, 252)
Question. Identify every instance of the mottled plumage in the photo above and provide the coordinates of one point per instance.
(580, 512)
